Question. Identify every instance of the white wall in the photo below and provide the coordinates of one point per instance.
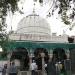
(33, 37)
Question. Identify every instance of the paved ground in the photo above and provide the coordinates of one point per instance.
(0, 73)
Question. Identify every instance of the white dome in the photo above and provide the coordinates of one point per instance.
(33, 24)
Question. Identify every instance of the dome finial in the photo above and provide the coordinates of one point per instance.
(34, 8)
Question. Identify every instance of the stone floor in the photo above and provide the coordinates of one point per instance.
(29, 73)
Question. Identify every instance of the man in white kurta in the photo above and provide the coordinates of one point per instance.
(33, 67)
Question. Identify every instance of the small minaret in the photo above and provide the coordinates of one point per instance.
(34, 8)
(11, 31)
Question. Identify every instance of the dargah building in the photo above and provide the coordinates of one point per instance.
(33, 41)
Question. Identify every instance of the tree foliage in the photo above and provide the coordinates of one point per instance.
(5, 6)
(66, 10)
(66, 6)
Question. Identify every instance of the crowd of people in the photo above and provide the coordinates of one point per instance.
(11, 70)
(53, 67)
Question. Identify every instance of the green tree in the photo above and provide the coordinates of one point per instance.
(5, 7)
(67, 11)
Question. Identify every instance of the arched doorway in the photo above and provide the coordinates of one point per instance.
(38, 58)
(22, 55)
(59, 54)
(59, 58)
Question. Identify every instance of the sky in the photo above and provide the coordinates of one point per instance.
(54, 21)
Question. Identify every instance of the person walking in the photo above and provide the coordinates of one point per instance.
(12, 70)
(33, 68)
(4, 70)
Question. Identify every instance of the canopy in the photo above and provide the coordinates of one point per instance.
(34, 44)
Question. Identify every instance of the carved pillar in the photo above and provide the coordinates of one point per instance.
(43, 63)
(8, 57)
(30, 58)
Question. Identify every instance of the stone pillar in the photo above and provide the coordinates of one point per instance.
(30, 58)
(50, 57)
(68, 54)
(43, 68)
(8, 57)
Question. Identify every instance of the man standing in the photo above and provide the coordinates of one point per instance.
(33, 68)
(4, 70)
(12, 70)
